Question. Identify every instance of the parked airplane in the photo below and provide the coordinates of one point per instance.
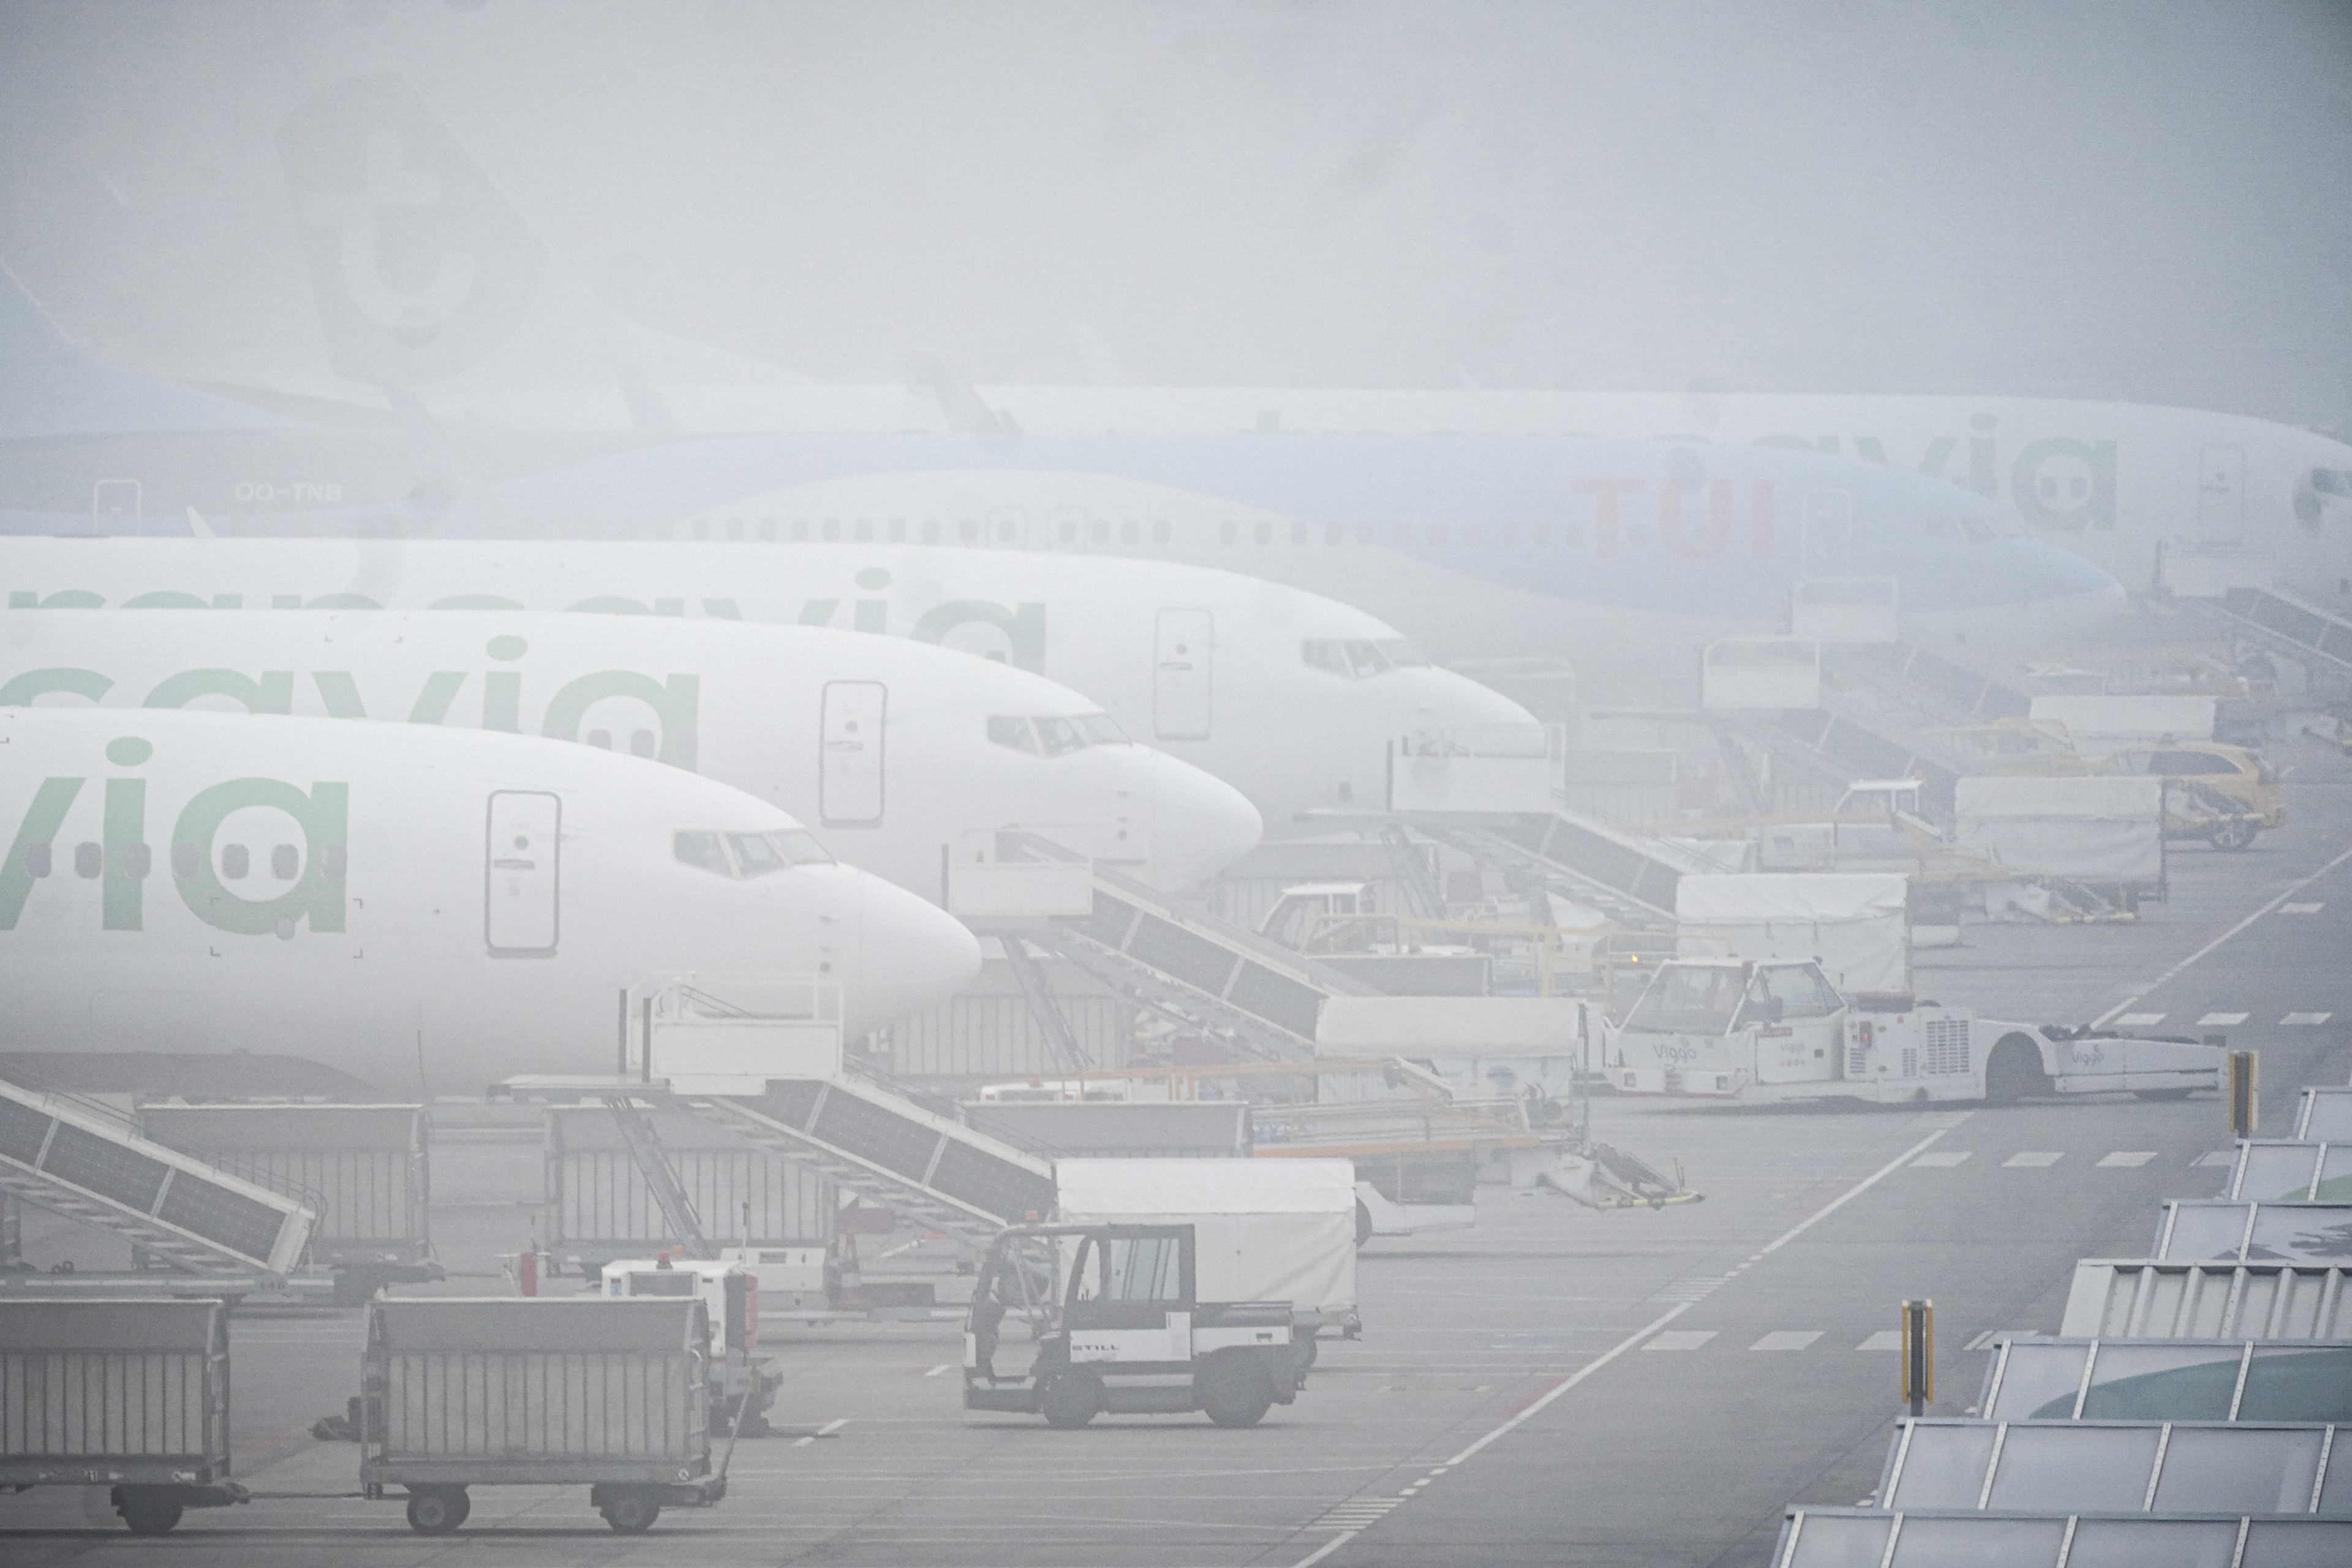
(424, 908)
(2185, 497)
(897, 754)
(1289, 698)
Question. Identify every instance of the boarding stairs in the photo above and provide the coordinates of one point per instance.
(77, 1159)
(1629, 876)
(2284, 624)
(928, 1168)
(1184, 964)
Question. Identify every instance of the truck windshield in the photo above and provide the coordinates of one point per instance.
(1689, 1000)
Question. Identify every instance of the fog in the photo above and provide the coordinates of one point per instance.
(2128, 201)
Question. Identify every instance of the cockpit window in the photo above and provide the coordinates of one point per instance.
(1054, 734)
(2332, 482)
(1361, 660)
(742, 855)
(1014, 733)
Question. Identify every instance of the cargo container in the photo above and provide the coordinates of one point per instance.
(462, 1392)
(364, 1169)
(132, 1395)
(599, 1208)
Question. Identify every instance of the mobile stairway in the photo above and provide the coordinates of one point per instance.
(2281, 624)
(1180, 963)
(77, 1159)
(774, 1074)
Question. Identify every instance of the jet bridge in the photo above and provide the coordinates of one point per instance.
(78, 1158)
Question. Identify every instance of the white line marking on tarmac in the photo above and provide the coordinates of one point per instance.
(1787, 1340)
(1883, 1340)
(1658, 1323)
(2176, 968)
(1942, 1159)
(2220, 1020)
(1326, 1550)
(2032, 1159)
(830, 1427)
(943, 1366)
(2138, 1020)
(2304, 1020)
(2125, 1158)
(2302, 908)
(1680, 1340)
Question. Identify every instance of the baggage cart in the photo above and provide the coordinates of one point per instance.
(127, 1394)
(539, 1390)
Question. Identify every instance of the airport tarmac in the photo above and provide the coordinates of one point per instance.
(1555, 1385)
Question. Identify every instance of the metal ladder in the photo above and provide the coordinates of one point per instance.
(1061, 1043)
(2311, 636)
(1630, 883)
(644, 1146)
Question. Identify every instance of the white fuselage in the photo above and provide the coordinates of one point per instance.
(426, 910)
(1209, 667)
(2222, 496)
(896, 753)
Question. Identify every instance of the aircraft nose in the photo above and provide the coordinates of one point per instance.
(1201, 826)
(1452, 701)
(908, 954)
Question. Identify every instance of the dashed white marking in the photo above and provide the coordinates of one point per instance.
(2125, 1158)
(2220, 1020)
(2199, 956)
(1883, 1340)
(2137, 1020)
(1697, 1288)
(2032, 1159)
(2218, 1157)
(1787, 1340)
(1559, 1389)
(2303, 1020)
(943, 1366)
(2302, 908)
(1942, 1159)
(830, 1427)
(1325, 1550)
(1680, 1340)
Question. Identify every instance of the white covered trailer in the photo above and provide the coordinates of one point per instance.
(2099, 724)
(1852, 924)
(1267, 1230)
(1745, 1030)
(2105, 831)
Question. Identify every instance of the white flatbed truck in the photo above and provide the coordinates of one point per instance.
(1734, 1029)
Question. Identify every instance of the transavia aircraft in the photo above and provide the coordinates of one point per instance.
(403, 902)
(898, 754)
(1291, 698)
(2184, 498)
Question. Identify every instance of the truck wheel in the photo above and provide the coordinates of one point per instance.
(1070, 1399)
(1236, 1389)
(632, 1512)
(1363, 1223)
(2013, 1071)
(2233, 834)
(1305, 1350)
(437, 1511)
(148, 1511)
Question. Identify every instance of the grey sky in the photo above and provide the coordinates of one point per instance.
(2138, 200)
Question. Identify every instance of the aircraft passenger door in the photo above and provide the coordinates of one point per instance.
(2222, 494)
(849, 771)
(1183, 655)
(522, 874)
(1829, 533)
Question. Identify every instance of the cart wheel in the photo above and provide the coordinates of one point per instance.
(632, 1512)
(1306, 1349)
(437, 1511)
(2014, 1071)
(1236, 1389)
(1363, 1222)
(2233, 834)
(147, 1514)
(1070, 1399)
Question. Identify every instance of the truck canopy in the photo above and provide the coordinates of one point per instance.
(1264, 1230)
(2100, 829)
(1852, 923)
(2110, 723)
